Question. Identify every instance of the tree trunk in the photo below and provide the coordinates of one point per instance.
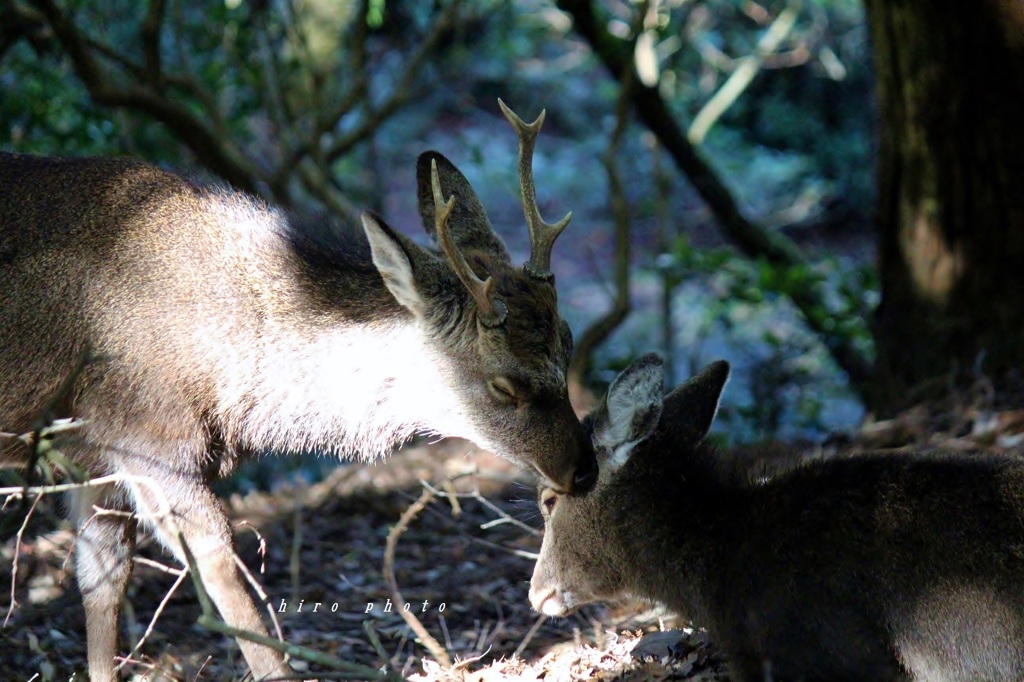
(951, 193)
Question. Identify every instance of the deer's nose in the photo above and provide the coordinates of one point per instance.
(586, 475)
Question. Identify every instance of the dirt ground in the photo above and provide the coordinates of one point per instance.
(467, 550)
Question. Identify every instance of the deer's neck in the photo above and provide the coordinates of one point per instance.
(673, 531)
(338, 365)
(353, 391)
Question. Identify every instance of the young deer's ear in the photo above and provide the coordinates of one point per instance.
(394, 255)
(691, 408)
(633, 407)
(468, 224)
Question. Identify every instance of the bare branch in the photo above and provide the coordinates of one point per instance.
(149, 35)
(215, 151)
(529, 635)
(602, 328)
(388, 570)
(743, 75)
(751, 238)
(17, 553)
(403, 90)
(153, 621)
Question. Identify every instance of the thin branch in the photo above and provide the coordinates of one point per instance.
(388, 570)
(17, 554)
(529, 635)
(403, 90)
(502, 516)
(216, 152)
(752, 239)
(603, 327)
(186, 84)
(143, 561)
(743, 75)
(149, 36)
(153, 621)
(295, 558)
(665, 236)
(280, 112)
(209, 620)
(317, 183)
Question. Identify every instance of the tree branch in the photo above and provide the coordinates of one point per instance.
(402, 92)
(603, 327)
(743, 75)
(149, 35)
(212, 150)
(752, 239)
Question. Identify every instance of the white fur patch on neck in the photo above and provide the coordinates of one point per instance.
(353, 392)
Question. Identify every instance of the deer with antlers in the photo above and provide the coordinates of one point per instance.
(215, 327)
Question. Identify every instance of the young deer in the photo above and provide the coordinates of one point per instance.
(881, 567)
(216, 327)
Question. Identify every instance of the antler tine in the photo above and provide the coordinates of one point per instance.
(542, 234)
(492, 310)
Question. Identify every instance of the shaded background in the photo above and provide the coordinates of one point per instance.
(324, 105)
(825, 193)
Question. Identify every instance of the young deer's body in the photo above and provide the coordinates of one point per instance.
(880, 567)
(212, 327)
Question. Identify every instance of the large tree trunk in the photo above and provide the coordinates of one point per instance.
(951, 192)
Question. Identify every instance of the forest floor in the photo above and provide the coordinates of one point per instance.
(468, 550)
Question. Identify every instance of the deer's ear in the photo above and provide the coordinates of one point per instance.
(692, 407)
(468, 223)
(395, 256)
(633, 408)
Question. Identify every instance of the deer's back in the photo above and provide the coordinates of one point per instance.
(129, 264)
(878, 562)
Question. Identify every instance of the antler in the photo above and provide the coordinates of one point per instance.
(542, 234)
(492, 310)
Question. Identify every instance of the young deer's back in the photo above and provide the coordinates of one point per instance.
(865, 568)
(882, 566)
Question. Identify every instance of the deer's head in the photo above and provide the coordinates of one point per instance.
(494, 327)
(635, 427)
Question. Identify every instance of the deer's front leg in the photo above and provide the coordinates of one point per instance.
(198, 515)
(103, 561)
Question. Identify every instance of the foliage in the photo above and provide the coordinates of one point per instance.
(789, 375)
(270, 79)
(801, 131)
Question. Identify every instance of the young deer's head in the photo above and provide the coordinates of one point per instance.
(493, 327)
(636, 427)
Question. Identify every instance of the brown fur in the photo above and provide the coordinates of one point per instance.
(215, 326)
(877, 567)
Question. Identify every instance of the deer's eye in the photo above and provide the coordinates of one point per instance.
(503, 391)
(549, 500)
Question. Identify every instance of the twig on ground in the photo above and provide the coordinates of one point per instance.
(209, 620)
(424, 637)
(143, 561)
(371, 634)
(295, 558)
(14, 561)
(529, 635)
(503, 516)
(466, 662)
(152, 621)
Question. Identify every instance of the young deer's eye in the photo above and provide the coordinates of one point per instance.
(549, 500)
(503, 390)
